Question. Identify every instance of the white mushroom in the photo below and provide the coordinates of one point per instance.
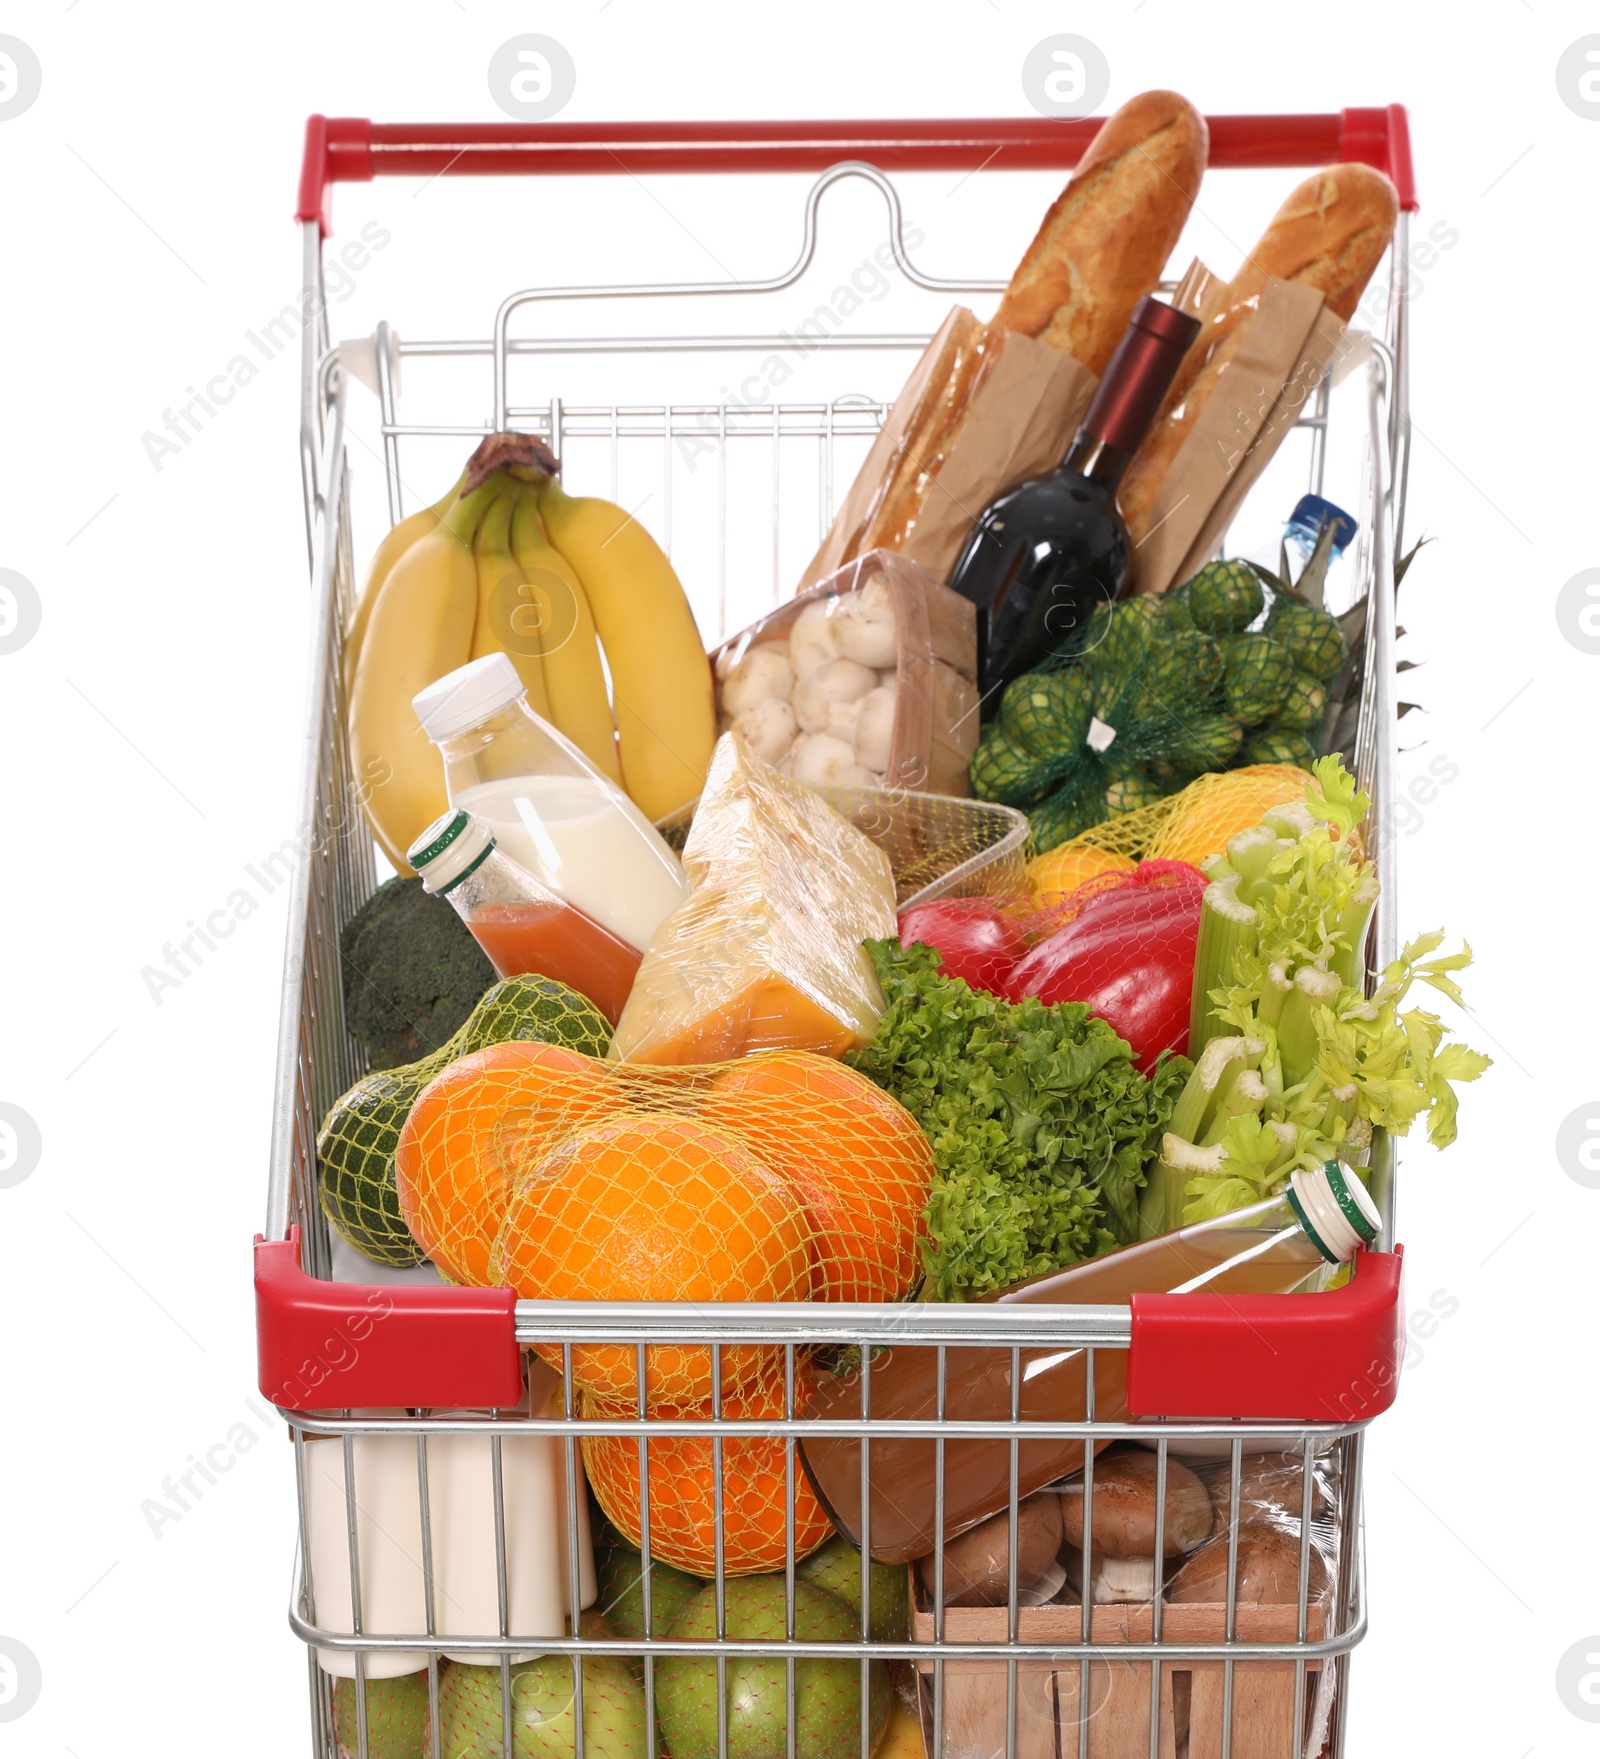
(842, 718)
(875, 728)
(833, 681)
(820, 760)
(763, 675)
(768, 729)
(864, 625)
(811, 642)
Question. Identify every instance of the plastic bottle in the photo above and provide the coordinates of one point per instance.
(1283, 1244)
(521, 925)
(545, 804)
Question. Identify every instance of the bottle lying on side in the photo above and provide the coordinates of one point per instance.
(1287, 1243)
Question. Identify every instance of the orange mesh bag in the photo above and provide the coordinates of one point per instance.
(655, 1207)
(682, 1488)
(782, 1177)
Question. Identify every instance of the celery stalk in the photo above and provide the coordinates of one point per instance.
(1297, 1034)
(1228, 926)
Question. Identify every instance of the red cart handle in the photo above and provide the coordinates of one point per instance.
(1328, 1358)
(350, 149)
(324, 1346)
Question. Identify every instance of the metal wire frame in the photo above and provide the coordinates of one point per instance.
(317, 1059)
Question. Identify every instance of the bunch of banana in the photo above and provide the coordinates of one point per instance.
(508, 562)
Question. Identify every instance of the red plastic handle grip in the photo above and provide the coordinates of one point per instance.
(1328, 1358)
(345, 149)
(328, 1346)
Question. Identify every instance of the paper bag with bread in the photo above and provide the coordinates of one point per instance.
(1268, 333)
(990, 404)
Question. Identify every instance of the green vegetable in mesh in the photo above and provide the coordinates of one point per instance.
(411, 972)
(1206, 742)
(1182, 673)
(1130, 792)
(1313, 638)
(1176, 612)
(1305, 704)
(1043, 713)
(1278, 744)
(1224, 598)
(357, 1142)
(1060, 818)
(1001, 771)
(1040, 1125)
(1260, 674)
(1118, 638)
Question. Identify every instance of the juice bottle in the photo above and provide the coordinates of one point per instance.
(1273, 1247)
(545, 804)
(521, 925)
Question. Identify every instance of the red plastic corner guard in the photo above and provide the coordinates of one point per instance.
(1328, 1358)
(331, 1346)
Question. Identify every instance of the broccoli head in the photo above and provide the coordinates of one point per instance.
(411, 973)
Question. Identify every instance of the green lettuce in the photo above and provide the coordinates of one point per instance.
(1041, 1127)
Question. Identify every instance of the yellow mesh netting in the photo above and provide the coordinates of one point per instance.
(1197, 821)
(781, 1177)
(358, 1138)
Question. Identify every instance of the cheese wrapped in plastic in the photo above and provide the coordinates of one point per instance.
(766, 953)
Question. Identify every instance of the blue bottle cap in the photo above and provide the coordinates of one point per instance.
(1311, 514)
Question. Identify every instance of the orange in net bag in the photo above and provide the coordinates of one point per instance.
(682, 1487)
(782, 1177)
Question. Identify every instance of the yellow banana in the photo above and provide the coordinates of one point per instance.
(399, 539)
(501, 585)
(660, 676)
(420, 628)
(554, 613)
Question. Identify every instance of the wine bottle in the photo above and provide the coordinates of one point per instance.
(1044, 554)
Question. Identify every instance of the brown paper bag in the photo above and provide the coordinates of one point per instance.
(938, 367)
(1237, 420)
(1025, 405)
(1024, 411)
(1325, 339)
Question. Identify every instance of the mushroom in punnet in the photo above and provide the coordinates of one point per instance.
(977, 1568)
(864, 625)
(833, 681)
(763, 675)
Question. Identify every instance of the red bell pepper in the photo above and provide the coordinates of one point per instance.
(975, 941)
(1130, 956)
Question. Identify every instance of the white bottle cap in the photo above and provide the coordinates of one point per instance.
(1336, 1211)
(453, 846)
(466, 696)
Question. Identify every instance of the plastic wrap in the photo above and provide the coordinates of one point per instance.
(865, 680)
(766, 954)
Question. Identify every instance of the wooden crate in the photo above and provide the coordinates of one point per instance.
(1266, 1716)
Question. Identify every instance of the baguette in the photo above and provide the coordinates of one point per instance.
(1107, 237)
(1100, 249)
(1330, 234)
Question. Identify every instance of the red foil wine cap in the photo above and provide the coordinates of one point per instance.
(1139, 374)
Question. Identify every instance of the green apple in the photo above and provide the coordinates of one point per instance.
(397, 1718)
(620, 1575)
(827, 1691)
(836, 1566)
(543, 1718)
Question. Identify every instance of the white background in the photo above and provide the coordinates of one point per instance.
(150, 740)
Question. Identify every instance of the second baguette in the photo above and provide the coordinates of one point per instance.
(1330, 234)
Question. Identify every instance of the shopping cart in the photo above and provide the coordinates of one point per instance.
(404, 1398)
